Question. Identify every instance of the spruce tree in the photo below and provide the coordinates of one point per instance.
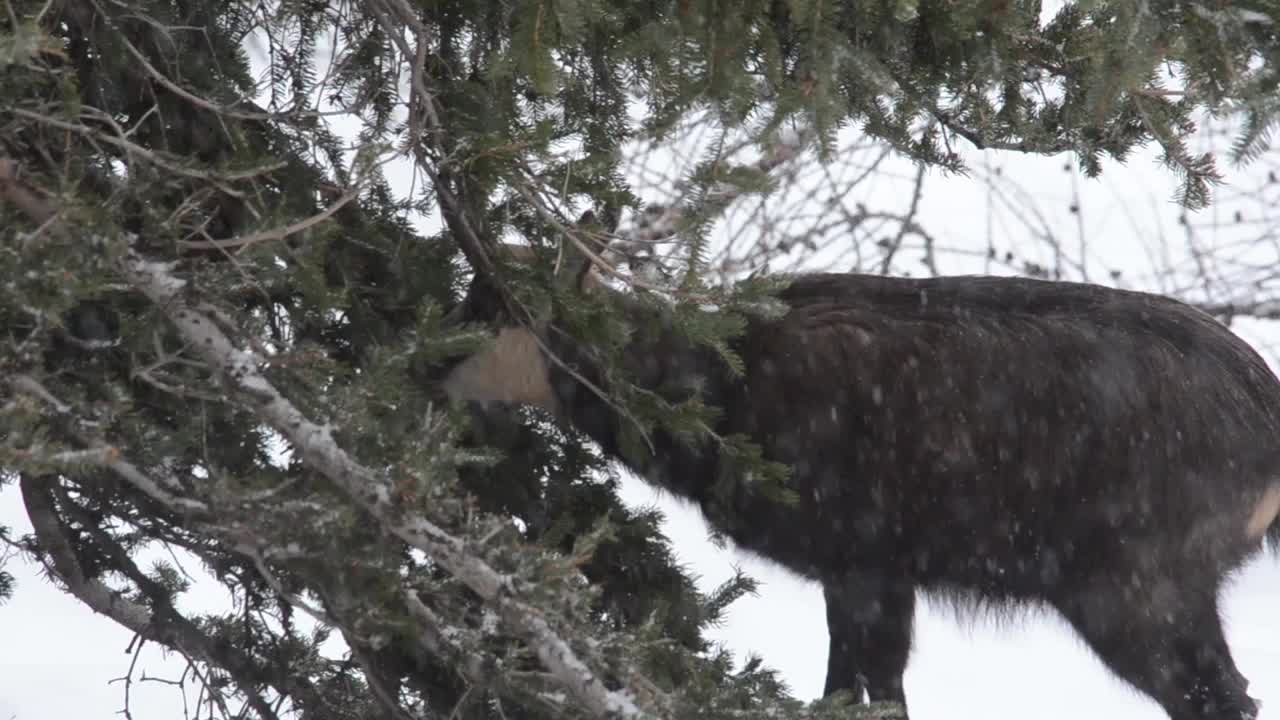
(224, 326)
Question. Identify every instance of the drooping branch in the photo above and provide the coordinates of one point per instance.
(316, 446)
(60, 559)
(371, 490)
(434, 635)
(172, 630)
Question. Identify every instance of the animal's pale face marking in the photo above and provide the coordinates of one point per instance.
(1264, 513)
(512, 370)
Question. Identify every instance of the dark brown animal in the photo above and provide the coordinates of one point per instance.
(996, 441)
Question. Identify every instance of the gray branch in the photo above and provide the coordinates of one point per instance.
(316, 446)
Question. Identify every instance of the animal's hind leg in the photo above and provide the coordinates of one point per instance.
(869, 619)
(1173, 650)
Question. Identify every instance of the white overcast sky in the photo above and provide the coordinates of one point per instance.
(59, 658)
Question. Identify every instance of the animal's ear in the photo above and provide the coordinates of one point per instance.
(575, 268)
(483, 299)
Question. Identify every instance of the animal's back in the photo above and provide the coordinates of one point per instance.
(1000, 433)
(1111, 453)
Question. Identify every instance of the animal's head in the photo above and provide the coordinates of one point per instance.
(514, 368)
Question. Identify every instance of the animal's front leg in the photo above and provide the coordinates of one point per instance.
(869, 620)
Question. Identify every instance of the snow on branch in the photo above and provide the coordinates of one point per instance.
(163, 624)
(316, 446)
(60, 558)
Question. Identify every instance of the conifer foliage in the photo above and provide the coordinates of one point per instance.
(223, 325)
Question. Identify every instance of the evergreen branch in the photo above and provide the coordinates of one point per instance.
(476, 666)
(241, 539)
(244, 242)
(316, 446)
(58, 555)
(436, 639)
(982, 142)
(478, 250)
(385, 695)
(434, 636)
(247, 673)
(356, 643)
(596, 259)
(106, 456)
(223, 111)
(174, 631)
(663, 222)
(121, 140)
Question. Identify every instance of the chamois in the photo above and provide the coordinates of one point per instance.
(1112, 454)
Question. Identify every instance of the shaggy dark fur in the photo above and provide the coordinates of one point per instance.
(987, 439)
